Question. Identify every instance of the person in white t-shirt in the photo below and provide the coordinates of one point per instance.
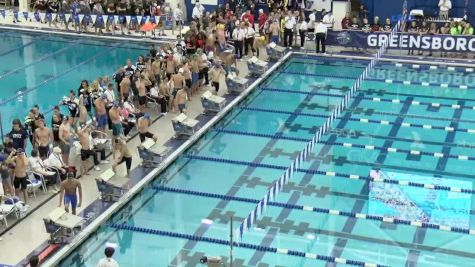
(320, 36)
(445, 6)
(178, 14)
(289, 29)
(303, 32)
(311, 21)
(249, 34)
(108, 261)
(238, 36)
(328, 20)
(197, 14)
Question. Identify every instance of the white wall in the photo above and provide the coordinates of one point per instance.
(339, 11)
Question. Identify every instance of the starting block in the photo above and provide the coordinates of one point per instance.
(182, 125)
(62, 226)
(256, 67)
(212, 102)
(151, 154)
(236, 84)
(275, 52)
(110, 189)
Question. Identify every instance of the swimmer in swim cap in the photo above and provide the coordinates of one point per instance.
(143, 124)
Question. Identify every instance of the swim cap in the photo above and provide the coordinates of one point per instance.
(104, 96)
(115, 104)
(146, 116)
(180, 70)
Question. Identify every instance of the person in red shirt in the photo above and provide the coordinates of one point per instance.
(346, 22)
(248, 17)
(262, 20)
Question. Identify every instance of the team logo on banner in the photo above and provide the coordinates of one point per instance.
(343, 38)
(2, 13)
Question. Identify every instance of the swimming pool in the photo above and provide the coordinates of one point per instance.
(408, 127)
(41, 68)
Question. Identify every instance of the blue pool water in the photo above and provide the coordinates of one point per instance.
(40, 69)
(232, 161)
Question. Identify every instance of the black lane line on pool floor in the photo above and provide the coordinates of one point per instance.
(420, 234)
(233, 190)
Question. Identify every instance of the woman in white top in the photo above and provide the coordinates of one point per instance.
(249, 34)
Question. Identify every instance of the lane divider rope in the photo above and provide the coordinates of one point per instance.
(336, 174)
(371, 217)
(374, 99)
(351, 145)
(242, 245)
(382, 122)
(425, 84)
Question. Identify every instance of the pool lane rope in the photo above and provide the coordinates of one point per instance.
(371, 217)
(275, 250)
(338, 174)
(274, 190)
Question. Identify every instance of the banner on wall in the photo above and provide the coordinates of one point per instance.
(443, 43)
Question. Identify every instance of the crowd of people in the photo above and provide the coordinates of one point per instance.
(167, 77)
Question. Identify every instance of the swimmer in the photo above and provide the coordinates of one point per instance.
(101, 112)
(70, 188)
(181, 98)
(178, 83)
(143, 124)
(125, 155)
(43, 138)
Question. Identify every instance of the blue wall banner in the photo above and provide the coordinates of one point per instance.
(427, 42)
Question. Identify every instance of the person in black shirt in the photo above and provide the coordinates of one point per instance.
(18, 135)
(118, 77)
(52, 8)
(56, 111)
(387, 25)
(86, 94)
(122, 12)
(140, 64)
(73, 105)
(153, 52)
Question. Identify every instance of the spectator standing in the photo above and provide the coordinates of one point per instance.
(249, 34)
(18, 135)
(197, 14)
(328, 20)
(413, 28)
(303, 32)
(289, 24)
(444, 8)
(238, 37)
(262, 19)
(311, 21)
(320, 36)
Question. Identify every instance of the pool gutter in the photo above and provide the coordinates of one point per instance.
(91, 228)
(162, 39)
